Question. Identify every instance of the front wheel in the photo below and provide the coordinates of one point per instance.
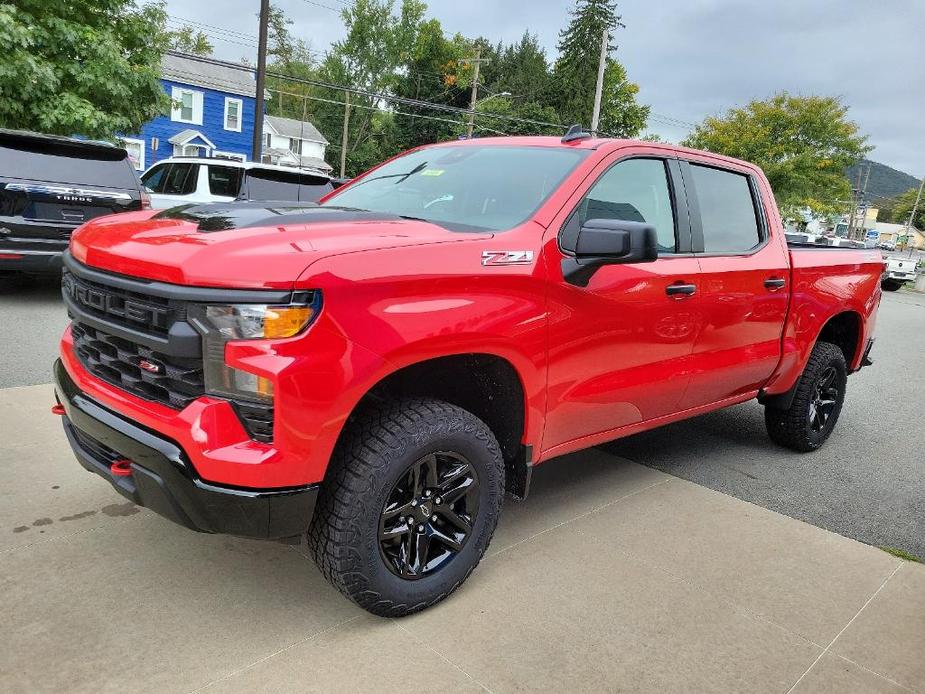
(409, 505)
(808, 422)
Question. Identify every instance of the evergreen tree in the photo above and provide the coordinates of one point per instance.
(575, 73)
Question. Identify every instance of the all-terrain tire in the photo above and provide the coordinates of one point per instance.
(379, 446)
(890, 285)
(793, 427)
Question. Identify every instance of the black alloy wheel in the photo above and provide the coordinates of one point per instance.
(429, 515)
(824, 399)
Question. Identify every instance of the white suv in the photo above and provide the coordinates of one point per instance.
(180, 180)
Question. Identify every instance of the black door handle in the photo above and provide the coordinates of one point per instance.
(774, 283)
(680, 289)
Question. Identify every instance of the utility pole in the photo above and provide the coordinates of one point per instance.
(915, 208)
(261, 79)
(478, 60)
(861, 231)
(343, 137)
(596, 115)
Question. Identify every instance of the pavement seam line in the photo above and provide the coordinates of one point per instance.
(873, 672)
(274, 654)
(440, 655)
(59, 538)
(845, 628)
(492, 555)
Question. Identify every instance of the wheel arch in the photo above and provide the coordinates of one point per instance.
(844, 329)
(486, 384)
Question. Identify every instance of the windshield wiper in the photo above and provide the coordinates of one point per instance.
(401, 176)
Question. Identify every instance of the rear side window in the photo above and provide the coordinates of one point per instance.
(171, 179)
(59, 163)
(270, 185)
(224, 180)
(727, 210)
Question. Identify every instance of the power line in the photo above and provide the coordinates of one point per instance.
(381, 96)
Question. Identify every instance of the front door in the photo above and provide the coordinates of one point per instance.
(619, 347)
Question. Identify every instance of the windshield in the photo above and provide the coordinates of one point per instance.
(464, 187)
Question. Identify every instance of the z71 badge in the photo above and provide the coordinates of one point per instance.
(507, 257)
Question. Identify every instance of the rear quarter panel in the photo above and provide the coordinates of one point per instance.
(824, 283)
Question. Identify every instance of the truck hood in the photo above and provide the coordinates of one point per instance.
(243, 245)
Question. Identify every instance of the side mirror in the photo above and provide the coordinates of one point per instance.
(609, 242)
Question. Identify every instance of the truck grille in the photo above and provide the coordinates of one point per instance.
(171, 381)
(144, 345)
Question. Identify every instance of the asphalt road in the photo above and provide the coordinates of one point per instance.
(867, 483)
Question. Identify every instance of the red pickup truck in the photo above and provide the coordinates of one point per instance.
(375, 372)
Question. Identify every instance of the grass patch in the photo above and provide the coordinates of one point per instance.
(902, 554)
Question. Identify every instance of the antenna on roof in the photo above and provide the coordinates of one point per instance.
(576, 132)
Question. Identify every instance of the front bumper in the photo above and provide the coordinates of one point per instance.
(163, 480)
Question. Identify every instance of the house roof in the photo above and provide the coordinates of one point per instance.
(186, 136)
(290, 127)
(178, 67)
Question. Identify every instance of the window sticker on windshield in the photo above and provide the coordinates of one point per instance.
(432, 172)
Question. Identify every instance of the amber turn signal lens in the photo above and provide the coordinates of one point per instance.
(286, 321)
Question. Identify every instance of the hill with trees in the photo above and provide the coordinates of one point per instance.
(885, 181)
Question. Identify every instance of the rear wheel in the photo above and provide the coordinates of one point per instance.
(409, 505)
(890, 285)
(808, 422)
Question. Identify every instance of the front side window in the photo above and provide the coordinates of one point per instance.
(464, 187)
(171, 179)
(634, 190)
(727, 210)
(233, 114)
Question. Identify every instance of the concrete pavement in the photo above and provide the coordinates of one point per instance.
(613, 576)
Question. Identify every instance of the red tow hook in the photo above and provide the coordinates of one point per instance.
(58, 409)
(121, 467)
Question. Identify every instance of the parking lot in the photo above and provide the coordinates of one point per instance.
(625, 570)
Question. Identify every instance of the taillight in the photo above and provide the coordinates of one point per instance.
(145, 200)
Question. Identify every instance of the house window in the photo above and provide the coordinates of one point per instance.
(295, 145)
(233, 114)
(190, 151)
(186, 106)
(267, 140)
(136, 152)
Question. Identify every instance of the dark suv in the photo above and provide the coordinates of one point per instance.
(49, 186)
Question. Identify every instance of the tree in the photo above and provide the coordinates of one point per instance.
(188, 40)
(803, 143)
(81, 67)
(901, 206)
(575, 73)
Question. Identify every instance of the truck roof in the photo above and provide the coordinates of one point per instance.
(592, 143)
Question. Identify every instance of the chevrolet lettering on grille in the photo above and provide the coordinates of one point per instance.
(103, 301)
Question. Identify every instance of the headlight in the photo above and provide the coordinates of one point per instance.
(220, 324)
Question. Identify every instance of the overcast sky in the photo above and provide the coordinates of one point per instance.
(691, 58)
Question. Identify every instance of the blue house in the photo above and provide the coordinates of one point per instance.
(211, 115)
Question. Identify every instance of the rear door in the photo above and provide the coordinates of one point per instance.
(49, 187)
(744, 281)
(619, 347)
